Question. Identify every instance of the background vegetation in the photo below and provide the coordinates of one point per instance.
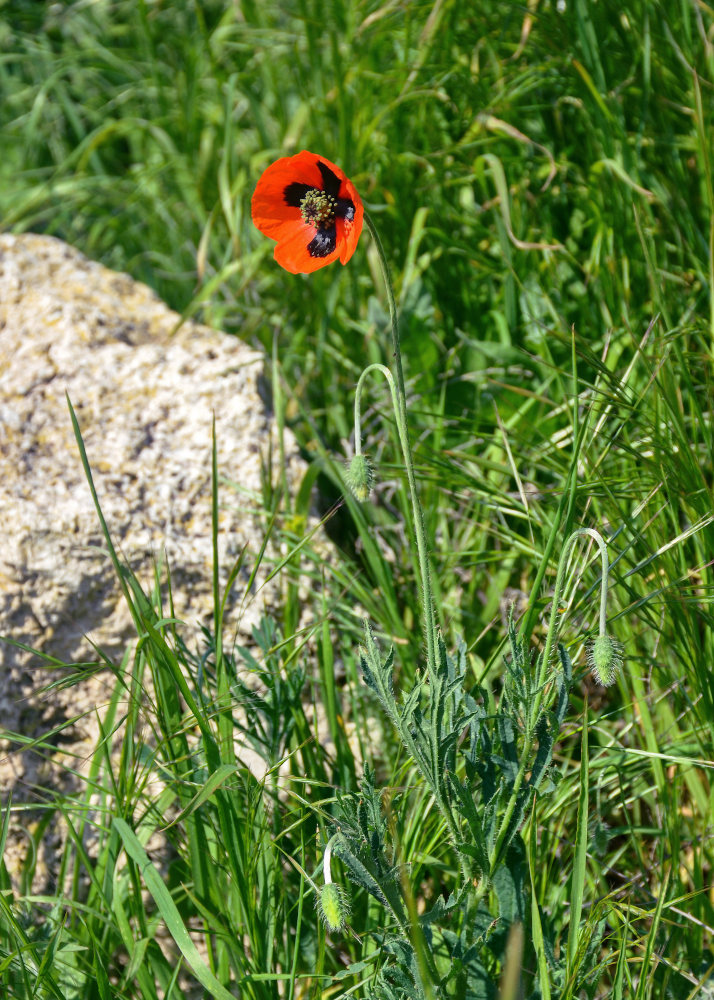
(541, 176)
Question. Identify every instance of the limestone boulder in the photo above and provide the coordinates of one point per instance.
(145, 389)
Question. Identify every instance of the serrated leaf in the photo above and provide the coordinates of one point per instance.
(439, 910)
(544, 755)
(477, 849)
(508, 885)
(565, 681)
(359, 872)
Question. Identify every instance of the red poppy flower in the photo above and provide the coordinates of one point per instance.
(313, 211)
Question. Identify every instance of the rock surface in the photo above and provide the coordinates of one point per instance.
(145, 391)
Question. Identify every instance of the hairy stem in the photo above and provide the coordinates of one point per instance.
(403, 431)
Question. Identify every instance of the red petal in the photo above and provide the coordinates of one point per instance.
(293, 255)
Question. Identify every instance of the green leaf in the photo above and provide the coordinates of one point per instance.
(169, 912)
(508, 884)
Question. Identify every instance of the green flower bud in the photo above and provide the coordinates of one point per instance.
(604, 657)
(360, 477)
(333, 907)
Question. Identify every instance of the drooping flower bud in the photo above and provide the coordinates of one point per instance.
(333, 907)
(604, 657)
(360, 477)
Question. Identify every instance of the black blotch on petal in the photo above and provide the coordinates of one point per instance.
(294, 193)
(345, 209)
(330, 180)
(323, 243)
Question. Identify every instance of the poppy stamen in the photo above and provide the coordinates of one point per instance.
(318, 208)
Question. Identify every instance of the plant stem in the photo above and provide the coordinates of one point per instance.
(553, 629)
(399, 401)
(550, 640)
(403, 431)
(406, 736)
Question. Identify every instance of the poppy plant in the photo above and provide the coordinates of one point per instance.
(311, 208)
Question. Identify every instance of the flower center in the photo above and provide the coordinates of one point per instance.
(318, 208)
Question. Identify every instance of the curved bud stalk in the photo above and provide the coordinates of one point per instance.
(383, 370)
(604, 657)
(360, 471)
(604, 653)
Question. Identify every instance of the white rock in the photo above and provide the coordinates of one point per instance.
(145, 394)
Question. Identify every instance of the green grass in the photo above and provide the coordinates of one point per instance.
(542, 183)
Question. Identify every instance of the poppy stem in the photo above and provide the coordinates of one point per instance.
(403, 430)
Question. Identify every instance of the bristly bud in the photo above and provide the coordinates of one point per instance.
(360, 477)
(604, 657)
(333, 907)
